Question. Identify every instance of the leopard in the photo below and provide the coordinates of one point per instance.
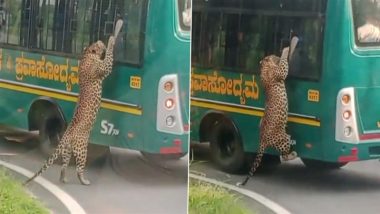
(273, 72)
(95, 65)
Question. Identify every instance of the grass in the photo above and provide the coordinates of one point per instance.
(206, 198)
(14, 199)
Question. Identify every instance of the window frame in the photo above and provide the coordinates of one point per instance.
(74, 55)
(364, 45)
(320, 16)
(183, 33)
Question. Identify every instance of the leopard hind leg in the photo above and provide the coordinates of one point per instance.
(255, 164)
(66, 157)
(285, 149)
(80, 153)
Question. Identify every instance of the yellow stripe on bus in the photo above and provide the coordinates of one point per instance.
(120, 108)
(305, 121)
(253, 112)
(67, 97)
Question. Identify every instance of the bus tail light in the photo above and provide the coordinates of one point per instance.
(346, 99)
(347, 115)
(169, 118)
(347, 131)
(169, 103)
(168, 86)
(170, 121)
(346, 121)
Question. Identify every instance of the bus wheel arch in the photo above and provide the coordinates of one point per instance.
(206, 124)
(46, 116)
(226, 146)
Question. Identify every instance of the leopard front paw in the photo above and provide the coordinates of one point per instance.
(111, 41)
(285, 53)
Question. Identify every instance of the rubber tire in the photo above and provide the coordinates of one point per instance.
(226, 147)
(322, 165)
(269, 162)
(49, 138)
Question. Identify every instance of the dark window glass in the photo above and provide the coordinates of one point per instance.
(236, 36)
(68, 26)
(366, 14)
(196, 39)
(184, 14)
(133, 39)
(10, 21)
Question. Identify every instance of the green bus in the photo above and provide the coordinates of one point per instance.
(145, 104)
(333, 83)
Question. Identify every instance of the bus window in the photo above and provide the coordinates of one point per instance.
(184, 7)
(47, 11)
(10, 22)
(366, 14)
(306, 59)
(135, 15)
(231, 25)
(43, 24)
(196, 40)
(131, 37)
(64, 25)
(83, 20)
(213, 41)
(30, 24)
(68, 26)
(103, 13)
(253, 37)
(236, 35)
(3, 14)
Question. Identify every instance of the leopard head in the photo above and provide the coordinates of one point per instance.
(268, 66)
(95, 49)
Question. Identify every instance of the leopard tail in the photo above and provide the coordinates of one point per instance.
(49, 162)
(255, 164)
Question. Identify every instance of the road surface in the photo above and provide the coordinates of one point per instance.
(121, 182)
(354, 188)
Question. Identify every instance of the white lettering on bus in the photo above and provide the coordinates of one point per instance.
(108, 128)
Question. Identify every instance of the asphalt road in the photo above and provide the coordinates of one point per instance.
(122, 181)
(355, 188)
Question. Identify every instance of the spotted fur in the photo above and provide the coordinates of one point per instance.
(274, 71)
(92, 71)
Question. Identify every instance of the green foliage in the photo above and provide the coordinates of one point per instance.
(205, 198)
(14, 199)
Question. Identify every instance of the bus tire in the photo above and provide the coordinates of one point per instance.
(226, 147)
(269, 162)
(321, 165)
(51, 132)
(46, 116)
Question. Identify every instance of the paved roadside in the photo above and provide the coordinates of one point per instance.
(123, 179)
